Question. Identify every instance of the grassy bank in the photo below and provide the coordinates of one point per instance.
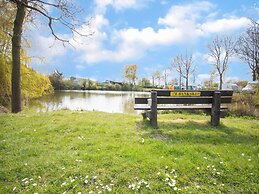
(98, 152)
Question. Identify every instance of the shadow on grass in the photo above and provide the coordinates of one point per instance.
(196, 133)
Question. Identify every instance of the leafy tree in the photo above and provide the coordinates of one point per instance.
(144, 82)
(64, 13)
(248, 48)
(241, 83)
(221, 49)
(56, 79)
(130, 73)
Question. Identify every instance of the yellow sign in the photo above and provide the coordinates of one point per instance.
(185, 93)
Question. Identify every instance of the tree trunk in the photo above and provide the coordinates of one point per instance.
(16, 57)
(220, 81)
(257, 68)
(186, 83)
(254, 74)
(180, 81)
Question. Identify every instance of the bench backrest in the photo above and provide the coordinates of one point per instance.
(187, 97)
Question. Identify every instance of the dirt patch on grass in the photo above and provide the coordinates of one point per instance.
(3, 110)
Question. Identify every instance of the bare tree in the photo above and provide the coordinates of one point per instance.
(221, 49)
(62, 12)
(248, 48)
(177, 65)
(188, 68)
(158, 77)
(165, 77)
(184, 66)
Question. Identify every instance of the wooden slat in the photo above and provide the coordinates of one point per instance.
(203, 92)
(142, 100)
(180, 107)
(183, 100)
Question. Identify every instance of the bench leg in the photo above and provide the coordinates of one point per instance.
(215, 110)
(144, 115)
(153, 111)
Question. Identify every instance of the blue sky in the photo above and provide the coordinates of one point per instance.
(148, 33)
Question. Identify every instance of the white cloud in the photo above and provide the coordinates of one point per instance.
(46, 48)
(225, 25)
(182, 24)
(181, 15)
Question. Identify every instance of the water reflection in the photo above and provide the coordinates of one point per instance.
(106, 101)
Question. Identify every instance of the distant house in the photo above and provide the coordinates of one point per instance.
(112, 82)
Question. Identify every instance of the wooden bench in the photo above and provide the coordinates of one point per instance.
(214, 102)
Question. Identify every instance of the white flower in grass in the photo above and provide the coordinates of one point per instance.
(218, 173)
(249, 159)
(158, 173)
(94, 177)
(34, 184)
(86, 177)
(24, 179)
(221, 162)
(198, 168)
(63, 184)
(86, 181)
(197, 186)
(167, 174)
(143, 140)
(64, 192)
(26, 182)
(222, 185)
(79, 193)
(175, 188)
(166, 167)
(14, 188)
(91, 192)
(99, 192)
(167, 179)
(39, 177)
(72, 180)
(138, 187)
(208, 166)
(173, 171)
(205, 158)
(214, 183)
(63, 168)
(242, 154)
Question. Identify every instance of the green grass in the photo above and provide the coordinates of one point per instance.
(91, 151)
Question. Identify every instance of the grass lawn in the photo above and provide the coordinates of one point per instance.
(73, 152)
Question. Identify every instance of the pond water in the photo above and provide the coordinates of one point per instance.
(105, 101)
